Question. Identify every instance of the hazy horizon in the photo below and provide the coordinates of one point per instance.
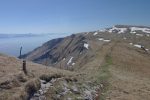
(11, 45)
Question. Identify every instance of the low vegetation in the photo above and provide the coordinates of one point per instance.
(109, 66)
(104, 76)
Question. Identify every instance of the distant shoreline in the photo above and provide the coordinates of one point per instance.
(11, 43)
(2, 35)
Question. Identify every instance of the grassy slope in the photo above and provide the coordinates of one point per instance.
(14, 84)
(130, 73)
(119, 69)
(122, 69)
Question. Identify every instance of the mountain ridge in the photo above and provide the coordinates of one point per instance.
(76, 42)
(110, 64)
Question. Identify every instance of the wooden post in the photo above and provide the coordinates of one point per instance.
(24, 67)
(24, 62)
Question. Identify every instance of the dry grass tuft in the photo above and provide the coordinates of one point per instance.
(31, 87)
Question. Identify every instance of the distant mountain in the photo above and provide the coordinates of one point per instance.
(2, 35)
(129, 29)
(56, 50)
(63, 52)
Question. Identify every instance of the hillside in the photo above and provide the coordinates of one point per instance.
(108, 64)
(72, 50)
(15, 85)
(117, 57)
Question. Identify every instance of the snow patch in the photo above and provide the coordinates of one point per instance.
(124, 38)
(139, 34)
(86, 45)
(95, 33)
(73, 64)
(133, 32)
(102, 30)
(64, 58)
(134, 29)
(102, 39)
(70, 60)
(120, 30)
(137, 45)
(131, 43)
(106, 40)
(147, 49)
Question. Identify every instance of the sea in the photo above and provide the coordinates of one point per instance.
(10, 44)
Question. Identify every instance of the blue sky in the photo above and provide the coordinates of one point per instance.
(71, 16)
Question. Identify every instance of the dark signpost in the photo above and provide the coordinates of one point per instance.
(24, 62)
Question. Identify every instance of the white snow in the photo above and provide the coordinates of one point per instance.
(86, 45)
(110, 30)
(64, 58)
(95, 33)
(146, 49)
(137, 45)
(70, 60)
(147, 35)
(133, 32)
(131, 43)
(120, 30)
(73, 64)
(124, 38)
(145, 30)
(106, 40)
(102, 39)
(139, 34)
(102, 30)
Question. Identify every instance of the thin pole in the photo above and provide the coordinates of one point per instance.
(20, 52)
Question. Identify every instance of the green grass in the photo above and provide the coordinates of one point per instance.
(108, 59)
(104, 75)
